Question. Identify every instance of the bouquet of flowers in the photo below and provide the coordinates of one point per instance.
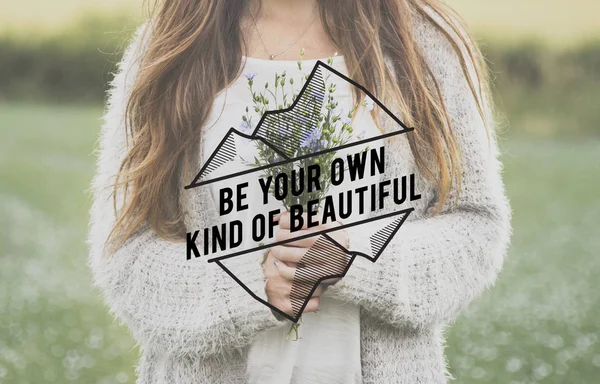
(333, 129)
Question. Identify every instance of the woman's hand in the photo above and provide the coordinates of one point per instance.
(291, 253)
(278, 288)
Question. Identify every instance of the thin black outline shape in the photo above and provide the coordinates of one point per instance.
(318, 233)
(196, 184)
(353, 254)
(253, 136)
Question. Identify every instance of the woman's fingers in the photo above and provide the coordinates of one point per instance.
(285, 235)
(285, 271)
(330, 281)
(281, 265)
(288, 254)
(269, 268)
(278, 291)
(288, 272)
(312, 305)
(319, 291)
(285, 220)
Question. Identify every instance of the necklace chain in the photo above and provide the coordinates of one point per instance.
(272, 56)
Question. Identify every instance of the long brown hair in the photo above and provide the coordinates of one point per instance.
(195, 50)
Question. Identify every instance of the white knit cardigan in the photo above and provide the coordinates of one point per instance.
(194, 323)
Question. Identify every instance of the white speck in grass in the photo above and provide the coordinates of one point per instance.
(95, 339)
(478, 373)
(122, 377)
(72, 375)
(513, 365)
(565, 355)
(107, 380)
(561, 368)
(489, 354)
(584, 342)
(556, 342)
(542, 370)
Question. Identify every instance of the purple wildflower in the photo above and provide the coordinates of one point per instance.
(312, 140)
(250, 75)
(245, 127)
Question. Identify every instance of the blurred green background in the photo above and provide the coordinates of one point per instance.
(540, 324)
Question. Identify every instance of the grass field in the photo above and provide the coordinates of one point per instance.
(538, 325)
(557, 22)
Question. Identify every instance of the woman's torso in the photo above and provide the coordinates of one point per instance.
(328, 348)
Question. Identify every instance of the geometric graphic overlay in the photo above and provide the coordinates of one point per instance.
(326, 259)
(299, 121)
(226, 154)
(301, 114)
(282, 131)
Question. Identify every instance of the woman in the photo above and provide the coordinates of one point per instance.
(194, 323)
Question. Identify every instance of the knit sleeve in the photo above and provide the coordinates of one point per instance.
(170, 304)
(434, 266)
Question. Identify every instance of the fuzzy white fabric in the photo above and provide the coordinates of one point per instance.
(328, 348)
(195, 325)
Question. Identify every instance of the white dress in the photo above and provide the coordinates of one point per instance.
(328, 350)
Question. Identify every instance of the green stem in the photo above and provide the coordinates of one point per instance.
(294, 328)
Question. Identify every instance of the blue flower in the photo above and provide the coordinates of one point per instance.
(245, 127)
(250, 75)
(313, 140)
(346, 120)
(305, 143)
